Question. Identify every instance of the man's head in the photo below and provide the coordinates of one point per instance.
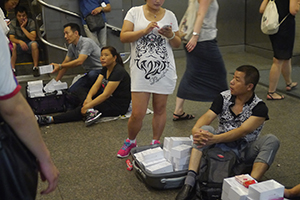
(72, 33)
(245, 79)
(21, 14)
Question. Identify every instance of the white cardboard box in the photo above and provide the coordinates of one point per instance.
(163, 167)
(266, 190)
(181, 167)
(181, 151)
(152, 154)
(167, 141)
(167, 155)
(228, 183)
(238, 193)
(45, 69)
(176, 141)
(152, 162)
(181, 161)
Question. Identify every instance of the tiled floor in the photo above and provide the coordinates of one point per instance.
(90, 169)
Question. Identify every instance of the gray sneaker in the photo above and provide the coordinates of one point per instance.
(92, 116)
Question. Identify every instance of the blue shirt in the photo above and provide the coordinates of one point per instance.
(87, 6)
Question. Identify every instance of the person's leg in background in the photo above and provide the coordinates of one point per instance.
(34, 47)
(102, 37)
(92, 35)
(274, 78)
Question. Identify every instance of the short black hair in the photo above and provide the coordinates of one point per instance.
(251, 74)
(20, 9)
(74, 27)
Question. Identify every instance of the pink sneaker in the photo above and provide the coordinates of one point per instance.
(125, 150)
(155, 142)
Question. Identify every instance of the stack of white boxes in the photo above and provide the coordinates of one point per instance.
(177, 150)
(266, 190)
(174, 156)
(154, 161)
(35, 88)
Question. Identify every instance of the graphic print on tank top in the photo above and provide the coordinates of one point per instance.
(152, 57)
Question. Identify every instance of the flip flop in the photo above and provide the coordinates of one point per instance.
(291, 86)
(270, 97)
(182, 117)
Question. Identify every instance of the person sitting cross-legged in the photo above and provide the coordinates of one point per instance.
(241, 117)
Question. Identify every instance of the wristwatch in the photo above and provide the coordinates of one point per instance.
(195, 33)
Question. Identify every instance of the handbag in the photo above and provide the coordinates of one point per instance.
(270, 19)
(18, 167)
(95, 22)
(187, 22)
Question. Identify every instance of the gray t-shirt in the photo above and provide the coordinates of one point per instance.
(87, 47)
(16, 30)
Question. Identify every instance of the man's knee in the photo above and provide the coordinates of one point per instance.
(272, 141)
(34, 45)
(268, 149)
(208, 128)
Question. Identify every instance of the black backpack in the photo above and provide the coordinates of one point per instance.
(216, 165)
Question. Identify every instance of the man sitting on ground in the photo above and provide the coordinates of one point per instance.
(23, 35)
(81, 51)
(241, 117)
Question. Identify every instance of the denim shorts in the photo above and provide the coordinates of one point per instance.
(29, 43)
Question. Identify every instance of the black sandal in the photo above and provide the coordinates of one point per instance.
(291, 86)
(270, 97)
(182, 117)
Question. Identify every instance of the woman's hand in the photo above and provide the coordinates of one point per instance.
(167, 32)
(192, 43)
(150, 27)
(87, 100)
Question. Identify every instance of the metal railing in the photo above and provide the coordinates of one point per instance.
(43, 3)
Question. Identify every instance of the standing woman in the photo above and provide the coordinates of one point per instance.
(282, 44)
(152, 32)
(205, 75)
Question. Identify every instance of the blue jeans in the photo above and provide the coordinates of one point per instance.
(78, 91)
(87, 81)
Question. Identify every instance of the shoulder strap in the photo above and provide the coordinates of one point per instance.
(284, 19)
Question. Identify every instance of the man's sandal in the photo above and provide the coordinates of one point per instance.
(271, 97)
(182, 117)
(291, 86)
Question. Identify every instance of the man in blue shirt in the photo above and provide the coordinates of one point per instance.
(95, 7)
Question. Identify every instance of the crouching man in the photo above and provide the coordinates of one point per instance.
(241, 117)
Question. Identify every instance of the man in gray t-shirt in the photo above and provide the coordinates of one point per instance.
(81, 51)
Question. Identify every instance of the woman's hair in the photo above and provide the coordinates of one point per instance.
(114, 52)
